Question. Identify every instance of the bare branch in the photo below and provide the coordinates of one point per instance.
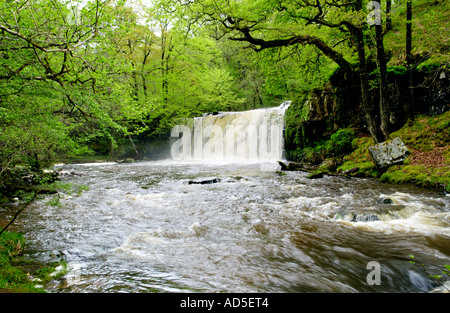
(35, 193)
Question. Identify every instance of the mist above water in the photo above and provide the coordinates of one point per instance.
(232, 136)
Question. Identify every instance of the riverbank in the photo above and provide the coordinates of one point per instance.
(19, 274)
(146, 208)
(427, 166)
(142, 227)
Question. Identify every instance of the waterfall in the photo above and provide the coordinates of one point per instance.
(248, 135)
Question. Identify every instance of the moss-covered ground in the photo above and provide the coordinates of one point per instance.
(19, 274)
(428, 165)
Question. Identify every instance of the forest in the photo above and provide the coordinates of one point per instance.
(86, 81)
(107, 78)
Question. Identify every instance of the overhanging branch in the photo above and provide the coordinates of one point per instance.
(303, 40)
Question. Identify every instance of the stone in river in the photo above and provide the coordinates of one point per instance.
(204, 182)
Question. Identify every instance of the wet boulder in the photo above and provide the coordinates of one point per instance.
(351, 171)
(296, 166)
(388, 153)
(283, 165)
(330, 165)
(315, 175)
(385, 201)
(204, 182)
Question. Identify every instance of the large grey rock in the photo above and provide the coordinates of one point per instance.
(388, 153)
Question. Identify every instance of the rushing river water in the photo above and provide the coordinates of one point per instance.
(142, 227)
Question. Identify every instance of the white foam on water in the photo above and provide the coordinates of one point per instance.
(253, 231)
(198, 229)
(139, 245)
(145, 244)
(74, 270)
(96, 164)
(145, 197)
(270, 167)
(407, 214)
(420, 223)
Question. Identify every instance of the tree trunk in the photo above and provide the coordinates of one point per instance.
(144, 86)
(166, 48)
(135, 85)
(371, 115)
(409, 58)
(388, 15)
(33, 160)
(163, 66)
(381, 58)
(258, 92)
(144, 81)
(134, 75)
(134, 146)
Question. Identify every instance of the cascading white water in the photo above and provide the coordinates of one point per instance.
(249, 135)
(142, 227)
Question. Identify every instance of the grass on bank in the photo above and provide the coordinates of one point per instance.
(428, 165)
(429, 33)
(19, 274)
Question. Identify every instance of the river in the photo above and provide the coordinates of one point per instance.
(142, 227)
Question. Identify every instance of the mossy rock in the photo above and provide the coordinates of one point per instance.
(389, 153)
(315, 175)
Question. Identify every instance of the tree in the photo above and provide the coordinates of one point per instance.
(382, 67)
(409, 57)
(50, 81)
(388, 15)
(165, 74)
(325, 25)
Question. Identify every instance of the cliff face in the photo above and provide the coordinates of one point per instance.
(317, 114)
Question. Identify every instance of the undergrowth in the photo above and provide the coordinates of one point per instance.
(21, 275)
(424, 135)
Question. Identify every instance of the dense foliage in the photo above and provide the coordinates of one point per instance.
(83, 77)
